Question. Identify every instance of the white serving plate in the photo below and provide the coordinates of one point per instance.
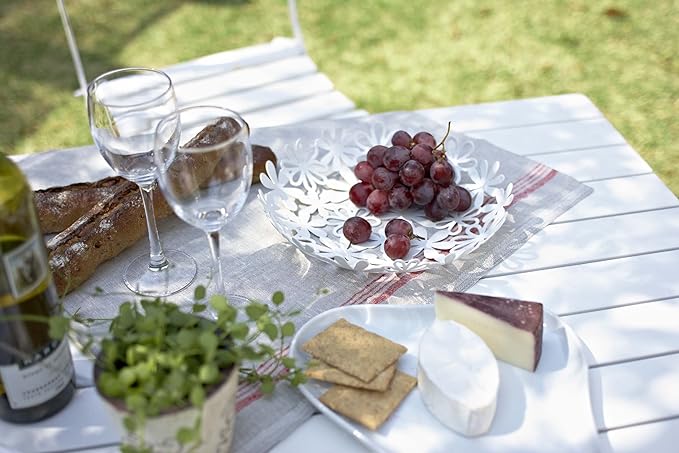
(306, 197)
(549, 410)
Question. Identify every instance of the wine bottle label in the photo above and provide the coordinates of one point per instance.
(39, 378)
(26, 267)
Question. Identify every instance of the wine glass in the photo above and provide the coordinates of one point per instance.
(206, 180)
(124, 107)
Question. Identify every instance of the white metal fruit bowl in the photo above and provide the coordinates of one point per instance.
(307, 200)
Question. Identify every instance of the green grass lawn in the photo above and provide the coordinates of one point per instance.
(385, 55)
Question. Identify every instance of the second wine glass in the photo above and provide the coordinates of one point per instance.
(204, 160)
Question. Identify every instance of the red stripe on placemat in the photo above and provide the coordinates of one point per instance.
(399, 283)
(256, 394)
(527, 175)
(534, 186)
(370, 286)
(262, 368)
(534, 174)
(378, 289)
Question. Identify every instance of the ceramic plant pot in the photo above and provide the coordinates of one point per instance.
(218, 417)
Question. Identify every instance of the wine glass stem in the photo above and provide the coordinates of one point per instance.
(213, 240)
(157, 260)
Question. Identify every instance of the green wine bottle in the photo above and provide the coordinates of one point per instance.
(37, 376)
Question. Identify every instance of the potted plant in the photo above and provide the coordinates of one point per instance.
(171, 375)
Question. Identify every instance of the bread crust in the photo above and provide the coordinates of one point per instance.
(109, 227)
(59, 207)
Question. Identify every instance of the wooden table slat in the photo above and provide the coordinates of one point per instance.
(658, 437)
(547, 138)
(629, 332)
(635, 392)
(620, 196)
(503, 114)
(592, 286)
(591, 240)
(597, 163)
(83, 423)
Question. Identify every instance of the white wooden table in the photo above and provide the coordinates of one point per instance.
(608, 267)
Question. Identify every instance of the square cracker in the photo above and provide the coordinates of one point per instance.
(324, 372)
(370, 409)
(354, 350)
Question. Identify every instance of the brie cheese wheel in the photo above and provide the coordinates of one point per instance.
(458, 377)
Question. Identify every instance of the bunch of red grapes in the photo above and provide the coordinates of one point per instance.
(414, 170)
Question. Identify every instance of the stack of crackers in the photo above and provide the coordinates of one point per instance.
(363, 366)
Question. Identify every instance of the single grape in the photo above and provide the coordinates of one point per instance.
(448, 198)
(465, 199)
(411, 173)
(400, 198)
(396, 246)
(398, 226)
(423, 192)
(434, 212)
(357, 230)
(438, 154)
(358, 194)
(378, 202)
(376, 155)
(423, 154)
(401, 138)
(425, 138)
(441, 172)
(384, 179)
(363, 171)
(395, 157)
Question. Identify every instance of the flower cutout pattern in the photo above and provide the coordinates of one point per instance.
(484, 176)
(460, 152)
(303, 166)
(376, 134)
(337, 154)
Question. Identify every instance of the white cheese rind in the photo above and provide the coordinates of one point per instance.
(458, 378)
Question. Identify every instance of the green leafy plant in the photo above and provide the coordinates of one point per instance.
(158, 357)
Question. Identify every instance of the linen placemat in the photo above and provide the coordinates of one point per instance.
(257, 260)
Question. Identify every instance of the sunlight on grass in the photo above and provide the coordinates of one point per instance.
(385, 55)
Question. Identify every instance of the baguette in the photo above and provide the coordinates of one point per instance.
(59, 207)
(109, 227)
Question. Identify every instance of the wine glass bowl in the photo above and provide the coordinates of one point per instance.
(204, 160)
(124, 107)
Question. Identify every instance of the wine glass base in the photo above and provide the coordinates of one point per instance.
(179, 274)
(233, 299)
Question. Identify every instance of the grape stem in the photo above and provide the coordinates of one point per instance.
(444, 138)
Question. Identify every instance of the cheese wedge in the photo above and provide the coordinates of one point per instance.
(511, 328)
(458, 378)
